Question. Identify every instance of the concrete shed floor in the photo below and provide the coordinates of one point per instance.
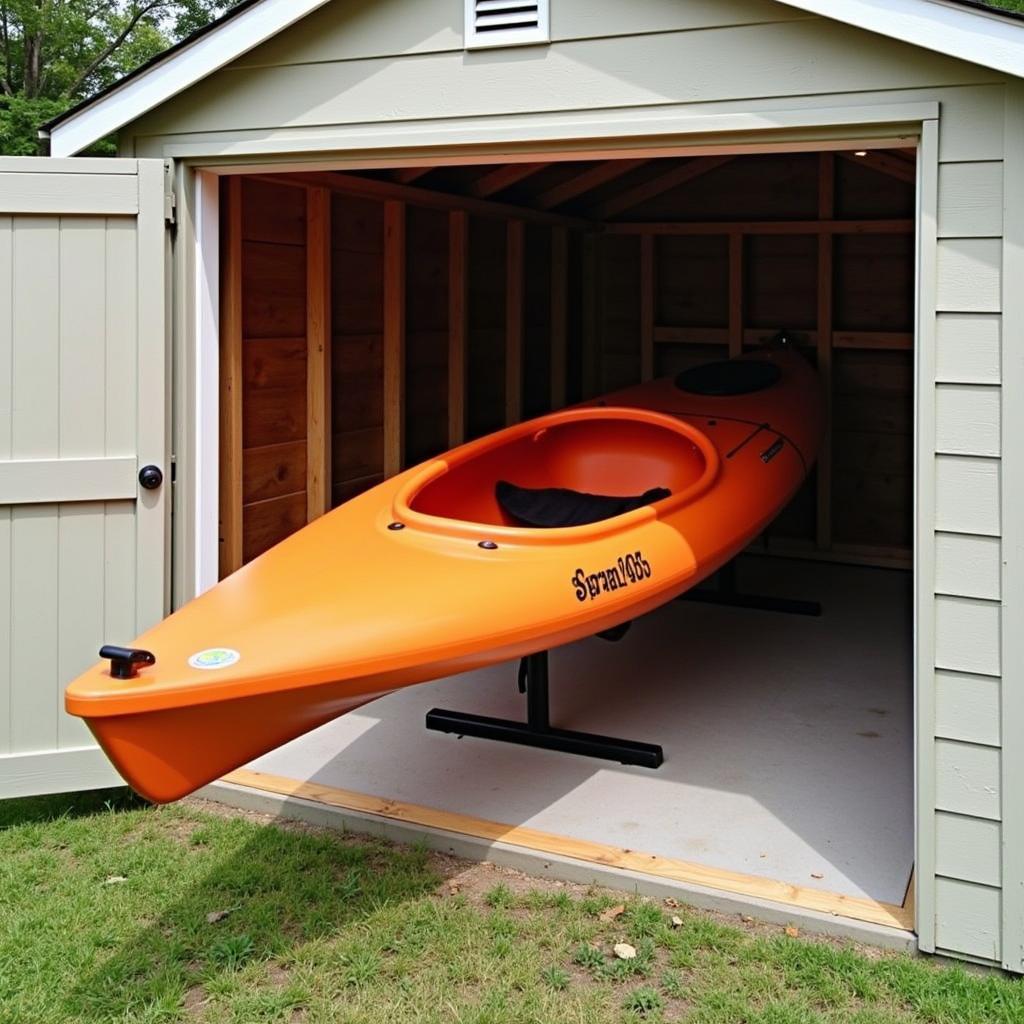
(788, 740)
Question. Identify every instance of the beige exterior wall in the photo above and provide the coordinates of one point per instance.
(360, 75)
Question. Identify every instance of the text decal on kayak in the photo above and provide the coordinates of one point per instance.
(629, 569)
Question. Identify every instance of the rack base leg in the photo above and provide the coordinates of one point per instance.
(460, 723)
(537, 730)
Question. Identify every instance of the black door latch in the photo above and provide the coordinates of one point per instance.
(124, 661)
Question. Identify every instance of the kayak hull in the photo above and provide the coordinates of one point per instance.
(425, 576)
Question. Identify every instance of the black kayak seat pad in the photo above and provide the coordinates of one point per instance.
(551, 507)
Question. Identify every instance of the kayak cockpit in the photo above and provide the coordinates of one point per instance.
(589, 470)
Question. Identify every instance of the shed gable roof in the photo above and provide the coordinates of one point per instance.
(965, 30)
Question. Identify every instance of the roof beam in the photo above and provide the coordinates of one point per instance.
(374, 188)
(502, 177)
(585, 182)
(885, 163)
(678, 175)
(407, 175)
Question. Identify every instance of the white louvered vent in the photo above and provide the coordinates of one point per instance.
(506, 22)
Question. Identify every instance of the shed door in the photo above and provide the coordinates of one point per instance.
(83, 351)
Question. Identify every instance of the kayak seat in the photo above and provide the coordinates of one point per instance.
(729, 377)
(551, 507)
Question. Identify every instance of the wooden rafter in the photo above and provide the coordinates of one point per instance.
(407, 175)
(898, 226)
(351, 184)
(590, 179)
(885, 163)
(501, 178)
(678, 175)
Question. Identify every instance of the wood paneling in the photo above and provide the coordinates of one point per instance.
(394, 335)
(514, 298)
(845, 287)
(560, 280)
(267, 523)
(458, 323)
(427, 338)
(487, 301)
(537, 320)
(274, 399)
(273, 471)
(357, 355)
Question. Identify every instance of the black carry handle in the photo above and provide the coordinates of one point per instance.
(124, 661)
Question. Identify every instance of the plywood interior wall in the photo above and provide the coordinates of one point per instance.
(821, 245)
(450, 315)
(442, 327)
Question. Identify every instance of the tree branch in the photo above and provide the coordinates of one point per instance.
(115, 44)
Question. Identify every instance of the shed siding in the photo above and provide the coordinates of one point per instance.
(354, 67)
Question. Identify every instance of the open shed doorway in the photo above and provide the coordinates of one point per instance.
(371, 319)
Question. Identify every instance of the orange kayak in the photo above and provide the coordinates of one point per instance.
(535, 536)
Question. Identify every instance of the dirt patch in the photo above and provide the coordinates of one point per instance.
(278, 975)
(195, 1002)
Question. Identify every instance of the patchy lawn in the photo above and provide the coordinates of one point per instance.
(114, 911)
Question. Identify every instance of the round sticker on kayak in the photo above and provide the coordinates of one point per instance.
(214, 657)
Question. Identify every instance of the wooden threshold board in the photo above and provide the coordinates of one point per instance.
(857, 908)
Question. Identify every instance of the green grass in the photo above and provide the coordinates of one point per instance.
(104, 908)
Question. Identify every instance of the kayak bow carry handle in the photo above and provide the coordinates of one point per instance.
(124, 661)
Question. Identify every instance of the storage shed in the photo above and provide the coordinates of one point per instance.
(344, 236)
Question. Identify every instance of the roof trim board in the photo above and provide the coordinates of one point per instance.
(196, 57)
(968, 32)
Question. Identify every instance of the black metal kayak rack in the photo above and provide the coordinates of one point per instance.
(537, 730)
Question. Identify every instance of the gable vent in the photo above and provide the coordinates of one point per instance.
(506, 22)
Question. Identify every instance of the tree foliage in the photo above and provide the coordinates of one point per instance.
(57, 52)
